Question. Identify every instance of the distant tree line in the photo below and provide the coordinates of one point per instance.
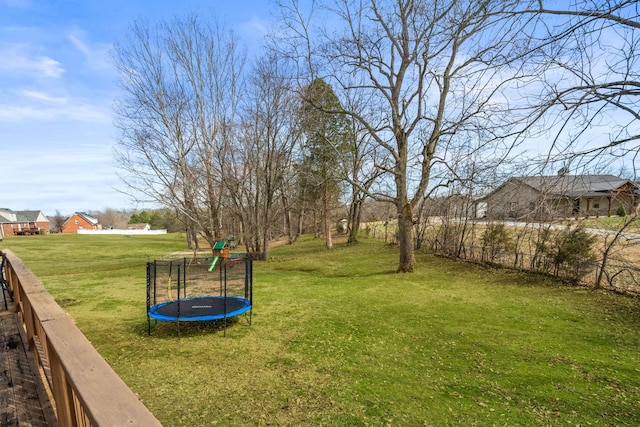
(158, 219)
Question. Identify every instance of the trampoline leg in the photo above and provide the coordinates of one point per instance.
(225, 326)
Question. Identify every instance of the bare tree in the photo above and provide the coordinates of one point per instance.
(427, 72)
(589, 99)
(619, 240)
(268, 134)
(57, 221)
(112, 218)
(180, 81)
(359, 171)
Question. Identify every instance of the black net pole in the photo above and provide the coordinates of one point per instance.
(246, 278)
(250, 261)
(178, 319)
(184, 279)
(178, 291)
(148, 295)
(170, 278)
(220, 263)
(224, 301)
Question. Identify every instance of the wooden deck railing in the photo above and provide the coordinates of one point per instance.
(85, 390)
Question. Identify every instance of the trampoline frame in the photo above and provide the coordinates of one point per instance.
(232, 304)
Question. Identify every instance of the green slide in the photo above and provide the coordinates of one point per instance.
(213, 263)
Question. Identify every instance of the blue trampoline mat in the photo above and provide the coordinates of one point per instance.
(200, 308)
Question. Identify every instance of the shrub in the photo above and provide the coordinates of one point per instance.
(542, 250)
(571, 247)
(495, 240)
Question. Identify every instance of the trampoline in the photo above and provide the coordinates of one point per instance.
(200, 308)
(199, 289)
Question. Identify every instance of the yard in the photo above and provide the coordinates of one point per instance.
(338, 338)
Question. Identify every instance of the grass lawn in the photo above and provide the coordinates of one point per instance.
(339, 339)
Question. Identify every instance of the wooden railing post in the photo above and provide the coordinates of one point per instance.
(61, 392)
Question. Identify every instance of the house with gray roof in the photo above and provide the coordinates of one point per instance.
(21, 223)
(560, 196)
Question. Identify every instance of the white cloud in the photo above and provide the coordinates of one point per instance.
(79, 44)
(17, 59)
(41, 107)
(48, 67)
(255, 26)
(95, 55)
(253, 31)
(41, 96)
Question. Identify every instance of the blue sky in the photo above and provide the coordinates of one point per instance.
(57, 88)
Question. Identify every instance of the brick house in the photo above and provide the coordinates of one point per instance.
(20, 223)
(560, 196)
(80, 221)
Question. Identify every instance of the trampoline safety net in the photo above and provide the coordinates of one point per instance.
(202, 288)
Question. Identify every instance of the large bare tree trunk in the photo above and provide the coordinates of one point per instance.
(288, 225)
(265, 234)
(354, 219)
(301, 217)
(405, 240)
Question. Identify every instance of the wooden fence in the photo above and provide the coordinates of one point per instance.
(84, 388)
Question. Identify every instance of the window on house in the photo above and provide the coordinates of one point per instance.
(76, 222)
(596, 204)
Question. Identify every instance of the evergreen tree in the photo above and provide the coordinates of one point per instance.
(326, 146)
